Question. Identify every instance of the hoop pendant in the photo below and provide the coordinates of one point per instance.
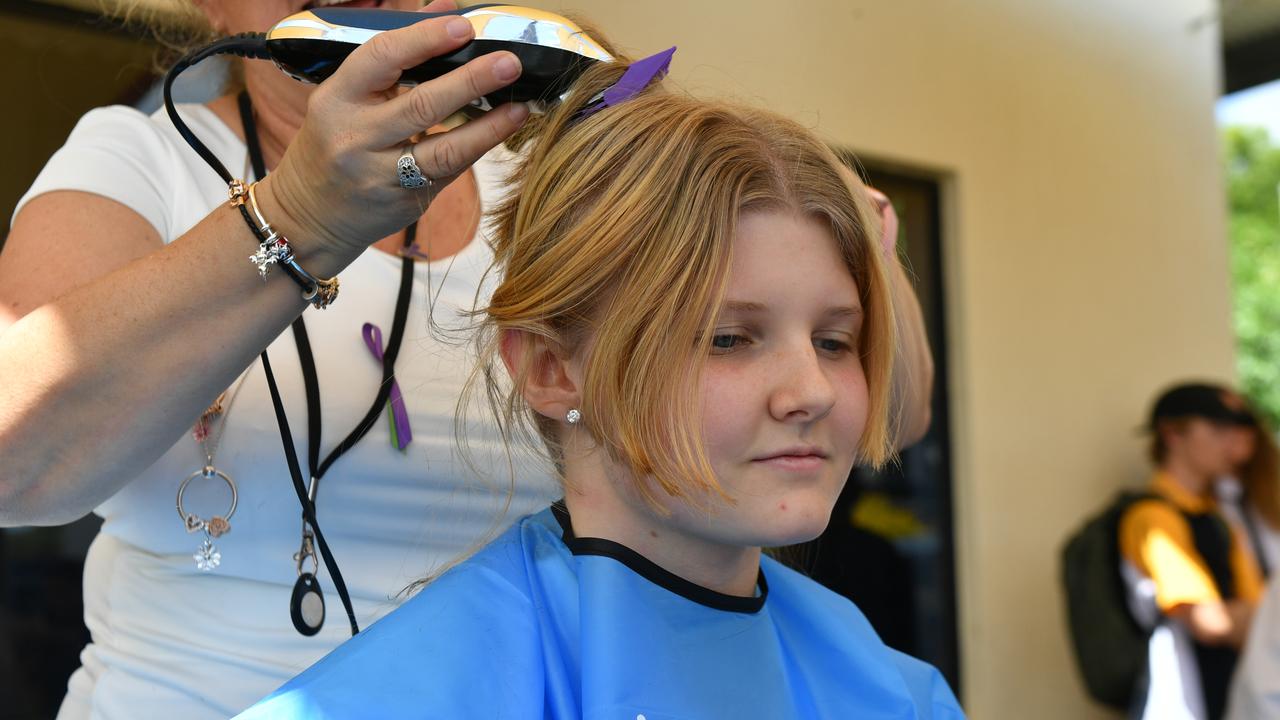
(207, 557)
(219, 524)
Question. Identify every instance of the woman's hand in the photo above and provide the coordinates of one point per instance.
(888, 223)
(336, 190)
(913, 362)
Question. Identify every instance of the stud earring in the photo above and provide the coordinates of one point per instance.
(573, 416)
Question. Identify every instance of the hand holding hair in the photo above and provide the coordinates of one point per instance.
(888, 222)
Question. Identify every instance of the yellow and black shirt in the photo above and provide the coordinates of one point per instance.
(1157, 539)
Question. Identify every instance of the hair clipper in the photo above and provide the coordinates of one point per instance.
(553, 51)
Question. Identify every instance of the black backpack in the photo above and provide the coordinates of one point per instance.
(1110, 647)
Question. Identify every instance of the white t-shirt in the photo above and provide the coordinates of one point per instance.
(172, 641)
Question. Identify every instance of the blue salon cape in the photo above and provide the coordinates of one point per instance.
(540, 624)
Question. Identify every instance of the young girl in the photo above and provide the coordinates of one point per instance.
(696, 323)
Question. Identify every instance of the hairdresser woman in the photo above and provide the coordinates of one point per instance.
(128, 305)
(130, 327)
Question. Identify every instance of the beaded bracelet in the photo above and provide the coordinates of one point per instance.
(274, 249)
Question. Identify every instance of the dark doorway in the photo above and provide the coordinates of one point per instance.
(890, 545)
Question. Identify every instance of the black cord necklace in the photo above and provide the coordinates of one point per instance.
(306, 607)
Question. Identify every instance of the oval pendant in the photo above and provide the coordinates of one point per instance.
(306, 608)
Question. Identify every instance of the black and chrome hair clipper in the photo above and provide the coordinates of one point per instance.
(552, 50)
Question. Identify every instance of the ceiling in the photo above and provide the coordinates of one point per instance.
(1250, 42)
(1244, 20)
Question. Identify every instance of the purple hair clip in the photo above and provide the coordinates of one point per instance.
(636, 78)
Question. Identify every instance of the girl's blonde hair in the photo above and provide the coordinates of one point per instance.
(615, 242)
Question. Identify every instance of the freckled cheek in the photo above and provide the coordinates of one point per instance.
(849, 414)
(730, 406)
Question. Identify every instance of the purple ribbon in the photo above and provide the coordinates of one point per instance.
(637, 77)
(401, 433)
(415, 252)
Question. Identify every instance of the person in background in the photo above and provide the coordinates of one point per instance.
(1195, 584)
(1250, 496)
(1253, 504)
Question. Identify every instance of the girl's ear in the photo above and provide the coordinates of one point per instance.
(546, 381)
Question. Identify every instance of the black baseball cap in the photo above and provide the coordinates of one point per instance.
(1199, 400)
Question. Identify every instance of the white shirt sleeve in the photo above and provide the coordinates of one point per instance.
(119, 153)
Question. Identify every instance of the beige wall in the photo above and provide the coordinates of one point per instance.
(1084, 238)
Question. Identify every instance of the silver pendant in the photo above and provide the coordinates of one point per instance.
(207, 557)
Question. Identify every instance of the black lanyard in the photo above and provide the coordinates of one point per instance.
(307, 493)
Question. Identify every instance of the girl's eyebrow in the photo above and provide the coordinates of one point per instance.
(747, 308)
(843, 311)
(742, 306)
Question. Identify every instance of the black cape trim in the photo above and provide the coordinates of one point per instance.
(654, 573)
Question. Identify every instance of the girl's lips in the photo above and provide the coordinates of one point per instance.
(793, 463)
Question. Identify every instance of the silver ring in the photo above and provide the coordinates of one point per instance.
(411, 177)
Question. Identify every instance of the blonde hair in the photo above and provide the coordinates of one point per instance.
(177, 26)
(157, 14)
(616, 242)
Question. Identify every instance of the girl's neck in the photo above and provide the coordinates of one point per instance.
(597, 509)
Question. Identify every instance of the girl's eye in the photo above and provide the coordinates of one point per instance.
(832, 345)
(727, 341)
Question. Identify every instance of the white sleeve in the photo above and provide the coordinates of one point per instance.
(1255, 691)
(119, 153)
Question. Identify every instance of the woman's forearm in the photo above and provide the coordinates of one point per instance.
(101, 382)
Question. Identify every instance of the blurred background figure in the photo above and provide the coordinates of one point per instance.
(1194, 582)
(1250, 496)
(1250, 500)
